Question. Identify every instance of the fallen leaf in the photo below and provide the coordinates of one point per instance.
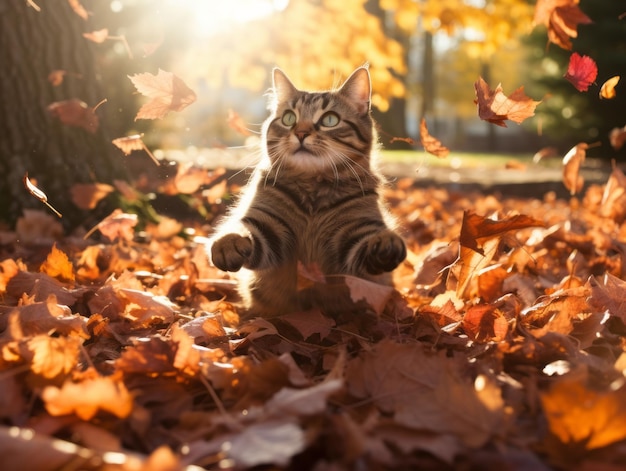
(88, 397)
(117, 225)
(607, 91)
(608, 293)
(310, 323)
(58, 265)
(495, 107)
(166, 91)
(572, 161)
(75, 112)
(431, 144)
(581, 71)
(307, 401)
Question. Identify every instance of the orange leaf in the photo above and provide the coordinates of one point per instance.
(117, 225)
(495, 107)
(75, 113)
(431, 144)
(562, 18)
(166, 91)
(572, 179)
(78, 9)
(88, 195)
(58, 265)
(132, 143)
(98, 36)
(607, 91)
(88, 397)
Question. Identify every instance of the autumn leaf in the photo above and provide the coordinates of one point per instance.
(431, 144)
(58, 265)
(98, 36)
(88, 195)
(545, 153)
(617, 137)
(581, 71)
(56, 77)
(132, 143)
(166, 91)
(37, 193)
(79, 9)
(562, 18)
(75, 113)
(116, 225)
(310, 323)
(495, 107)
(88, 397)
(572, 179)
(607, 91)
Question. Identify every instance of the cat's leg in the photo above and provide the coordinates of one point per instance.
(231, 252)
(382, 252)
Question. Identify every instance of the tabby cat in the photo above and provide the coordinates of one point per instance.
(314, 198)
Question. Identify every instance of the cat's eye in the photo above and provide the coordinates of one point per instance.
(289, 118)
(330, 119)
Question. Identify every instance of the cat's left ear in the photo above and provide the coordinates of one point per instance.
(358, 88)
(283, 88)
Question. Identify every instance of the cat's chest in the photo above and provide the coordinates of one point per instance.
(316, 198)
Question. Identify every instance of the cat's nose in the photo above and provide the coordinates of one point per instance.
(302, 135)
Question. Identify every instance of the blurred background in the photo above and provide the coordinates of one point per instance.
(424, 56)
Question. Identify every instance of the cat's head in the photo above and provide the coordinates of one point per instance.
(316, 131)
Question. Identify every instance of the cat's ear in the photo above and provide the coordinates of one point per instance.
(358, 89)
(283, 88)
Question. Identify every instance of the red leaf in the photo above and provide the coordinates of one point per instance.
(581, 71)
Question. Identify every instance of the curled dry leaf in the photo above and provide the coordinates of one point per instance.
(572, 179)
(166, 91)
(495, 107)
(132, 143)
(581, 71)
(607, 91)
(88, 195)
(37, 193)
(75, 113)
(562, 18)
(431, 144)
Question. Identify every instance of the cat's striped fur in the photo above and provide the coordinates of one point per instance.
(314, 199)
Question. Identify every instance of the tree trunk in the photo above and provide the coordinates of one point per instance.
(33, 44)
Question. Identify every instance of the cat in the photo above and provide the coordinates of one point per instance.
(314, 199)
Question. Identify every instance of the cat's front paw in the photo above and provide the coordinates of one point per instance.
(231, 252)
(385, 251)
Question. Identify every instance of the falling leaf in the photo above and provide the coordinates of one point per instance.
(562, 18)
(581, 71)
(58, 265)
(98, 36)
(495, 107)
(237, 124)
(545, 153)
(79, 9)
(166, 91)
(132, 143)
(37, 193)
(117, 225)
(88, 195)
(56, 77)
(572, 179)
(431, 144)
(607, 91)
(75, 113)
(408, 140)
(88, 397)
(617, 137)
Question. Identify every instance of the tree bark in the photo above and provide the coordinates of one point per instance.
(33, 44)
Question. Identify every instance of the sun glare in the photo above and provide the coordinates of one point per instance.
(216, 16)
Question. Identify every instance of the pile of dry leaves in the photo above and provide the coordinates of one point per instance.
(502, 346)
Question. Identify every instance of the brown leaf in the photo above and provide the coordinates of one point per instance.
(166, 91)
(37, 193)
(495, 107)
(572, 179)
(618, 137)
(562, 18)
(88, 195)
(485, 323)
(75, 113)
(310, 323)
(607, 91)
(88, 397)
(545, 153)
(79, 9)
(56, 77)
(132, 143)
(613, 203)
(117, 225)
(58, 265)
(431, 144)
(608, 293)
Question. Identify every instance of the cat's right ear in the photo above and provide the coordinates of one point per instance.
(283, 88)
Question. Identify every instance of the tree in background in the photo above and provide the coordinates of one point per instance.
(35, 41)
(575, 116)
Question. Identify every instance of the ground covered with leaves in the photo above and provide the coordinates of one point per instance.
(502, 345)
